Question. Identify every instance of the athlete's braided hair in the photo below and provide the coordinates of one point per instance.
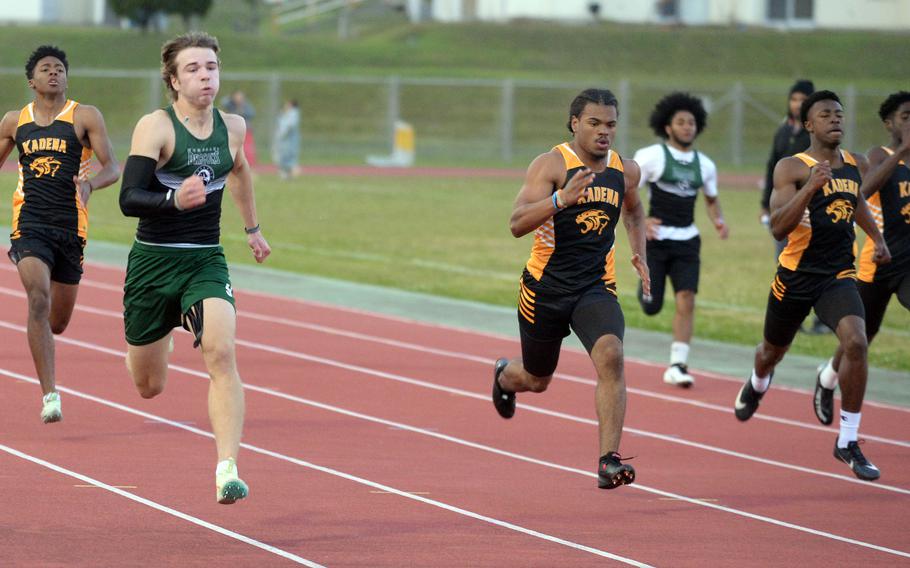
(891, 103)
(597, 96)
(667, 107)
(42, 52)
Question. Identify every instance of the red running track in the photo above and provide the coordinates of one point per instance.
(370, 441)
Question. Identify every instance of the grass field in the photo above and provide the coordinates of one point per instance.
(450, 237)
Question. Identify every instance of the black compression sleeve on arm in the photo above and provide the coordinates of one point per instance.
(136, 198)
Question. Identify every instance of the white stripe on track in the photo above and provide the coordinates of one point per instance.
(672, 439)
(482, 447)
(485, 361)
(400, 319)
(336, 473)
(571, 378)
(154, 505)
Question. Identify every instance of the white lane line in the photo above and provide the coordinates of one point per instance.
(469, 357)
(672, 439)
(330, 471)
(91, 482)
(488, 362)
(400, 319)
(641, 487)
(564, 376)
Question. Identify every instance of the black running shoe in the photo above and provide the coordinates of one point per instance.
(503, 400)
(853, 456)
(823, 401)
(747, 400)
(611, 473)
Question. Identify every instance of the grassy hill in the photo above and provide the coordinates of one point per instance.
(534, 50)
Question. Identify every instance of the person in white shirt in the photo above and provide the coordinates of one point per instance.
(674, 172)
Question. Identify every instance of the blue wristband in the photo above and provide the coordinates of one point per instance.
(555, 203)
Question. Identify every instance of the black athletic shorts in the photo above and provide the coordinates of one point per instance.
(678, 260)
(794, 294)
(544, 319)
(876, 295)
(60, 250)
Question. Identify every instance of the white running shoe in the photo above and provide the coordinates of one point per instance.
(229, 487)
(51, 411)
(678, 374)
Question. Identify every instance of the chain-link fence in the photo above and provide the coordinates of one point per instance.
(459, 121)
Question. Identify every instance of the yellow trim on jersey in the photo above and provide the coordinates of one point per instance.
(810, 161)
(609, 276)
(614, 161)
(797, 243)
(571, 158)
(68, 112)
(18, 201)
(867, 267)
(806, 159)
(85, 167)
(544, 245)
(25, 115)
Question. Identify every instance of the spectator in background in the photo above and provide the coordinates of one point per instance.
(287, 140)
(237, 103)
(790, 139)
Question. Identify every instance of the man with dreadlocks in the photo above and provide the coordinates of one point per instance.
(674, 172)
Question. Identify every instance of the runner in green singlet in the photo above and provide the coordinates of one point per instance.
(174, 180)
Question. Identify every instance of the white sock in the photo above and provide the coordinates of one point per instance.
(760, 384)
(828, 376)
(849, 427)
(224, 465)
(679, 353)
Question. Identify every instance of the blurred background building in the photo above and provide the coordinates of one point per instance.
(854, 14)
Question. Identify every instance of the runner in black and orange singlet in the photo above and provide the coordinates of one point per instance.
(815, 201)
(56, 138)
(887, 187)
(572, 199)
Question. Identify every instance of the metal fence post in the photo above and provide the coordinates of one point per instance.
(850, 113)
(273, 106)
(394, 108)
(622, 129)
(736, 124)
(154, 91)
(507, 119)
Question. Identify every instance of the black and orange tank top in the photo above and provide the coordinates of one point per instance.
(823, 242)
(573, 249)
(890, 207)
(49, 157)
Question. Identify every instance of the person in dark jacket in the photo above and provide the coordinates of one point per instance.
(789, 139)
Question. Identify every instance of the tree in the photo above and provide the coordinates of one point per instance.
(188, 9)
(139, 12)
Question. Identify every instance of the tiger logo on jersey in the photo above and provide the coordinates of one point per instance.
(45, 165)
(840, 210)
(905, 211)
(593, 220)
